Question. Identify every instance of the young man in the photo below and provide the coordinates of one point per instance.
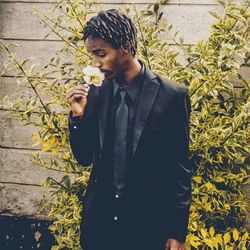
(135, 131)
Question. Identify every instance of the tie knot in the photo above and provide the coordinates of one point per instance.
(122, 92)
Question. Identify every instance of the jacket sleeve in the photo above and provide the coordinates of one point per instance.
(183, 167)
(83, 133)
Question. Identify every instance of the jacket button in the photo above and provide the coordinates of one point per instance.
(100, 155)
(95, 181)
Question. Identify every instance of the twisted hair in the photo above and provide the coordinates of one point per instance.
(114, 27)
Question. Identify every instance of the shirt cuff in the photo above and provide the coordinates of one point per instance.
(74, 122)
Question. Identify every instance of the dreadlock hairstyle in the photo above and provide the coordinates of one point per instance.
(114, 27)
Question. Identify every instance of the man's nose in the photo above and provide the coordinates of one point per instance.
(96, 63)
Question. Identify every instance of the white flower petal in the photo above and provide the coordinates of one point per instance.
(93, 75)
(87, 70)
(87, 79)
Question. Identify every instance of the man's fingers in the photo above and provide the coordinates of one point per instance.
(76, 92)
(71, 93)
(70, 100)
(85, 85)
(83, 88)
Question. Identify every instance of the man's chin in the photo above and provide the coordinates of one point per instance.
(108, 76)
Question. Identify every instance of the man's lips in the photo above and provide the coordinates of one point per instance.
(104, 71)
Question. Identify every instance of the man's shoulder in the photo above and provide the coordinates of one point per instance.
(171, 87)
(166, 85)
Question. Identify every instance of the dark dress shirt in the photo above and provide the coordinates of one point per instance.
(132, 89)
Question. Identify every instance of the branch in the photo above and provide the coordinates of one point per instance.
(233, 131)
(142, 36)
(31, 84)
(218, 46)
(58, 183)
(232, 55)
(54, 169)
(59, 35)
(79, 20)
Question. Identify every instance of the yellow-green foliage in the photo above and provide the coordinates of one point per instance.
(219, 127)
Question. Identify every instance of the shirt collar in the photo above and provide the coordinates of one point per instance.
(133, 86)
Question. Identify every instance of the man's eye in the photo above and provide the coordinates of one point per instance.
(101, 54)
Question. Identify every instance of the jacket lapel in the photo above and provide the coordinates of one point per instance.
(146, 101)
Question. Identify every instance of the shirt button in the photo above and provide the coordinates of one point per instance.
(96, 181)
(75, 127)
(115, 218)
(116, 196)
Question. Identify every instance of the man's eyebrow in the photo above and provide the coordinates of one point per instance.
(97, 50)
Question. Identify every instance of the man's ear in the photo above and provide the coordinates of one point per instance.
(126, 48)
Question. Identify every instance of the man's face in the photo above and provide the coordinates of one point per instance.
(109, 60)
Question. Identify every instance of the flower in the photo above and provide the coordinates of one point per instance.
(93, 75)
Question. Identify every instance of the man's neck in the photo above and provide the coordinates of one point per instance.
(132, 69)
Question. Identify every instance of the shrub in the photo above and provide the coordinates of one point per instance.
(219, 129)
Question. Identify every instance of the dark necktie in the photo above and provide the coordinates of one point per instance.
(120, 143)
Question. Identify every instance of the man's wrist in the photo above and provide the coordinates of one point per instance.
(74, 121)
(77, 116)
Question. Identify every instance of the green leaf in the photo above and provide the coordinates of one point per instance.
(198, 179)
(235, 235)
(227, 237)
(156, 7)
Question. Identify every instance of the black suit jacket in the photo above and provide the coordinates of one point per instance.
(159, 176)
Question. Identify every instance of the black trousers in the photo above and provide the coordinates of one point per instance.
(114, 228)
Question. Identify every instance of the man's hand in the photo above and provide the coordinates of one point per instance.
(173, 244)
(77, 98)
